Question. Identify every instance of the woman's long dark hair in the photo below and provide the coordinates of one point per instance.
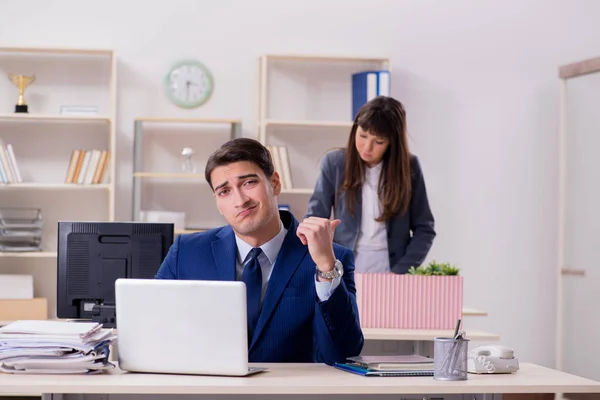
(384, 117)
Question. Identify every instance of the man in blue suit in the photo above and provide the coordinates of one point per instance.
(301, 295)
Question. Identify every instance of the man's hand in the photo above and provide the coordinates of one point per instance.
(317, 234)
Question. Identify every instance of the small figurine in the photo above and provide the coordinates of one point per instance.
(188, 166)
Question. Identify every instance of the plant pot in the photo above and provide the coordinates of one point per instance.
(409, 301)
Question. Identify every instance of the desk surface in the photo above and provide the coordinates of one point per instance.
(422, 334)
(298, 379)
(472, 312)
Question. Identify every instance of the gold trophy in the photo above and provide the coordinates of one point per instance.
(21, 81)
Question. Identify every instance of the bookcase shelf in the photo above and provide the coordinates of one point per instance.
(321, 118)
(165, 138)
(167, 175)
(56, 51)
(185, 231)
(57, 118)
(54, 186)
(29, 254)
(44, 139)
(298, 191)
(328, 58)
(322, 124)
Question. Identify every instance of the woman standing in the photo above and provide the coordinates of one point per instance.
(376, 188)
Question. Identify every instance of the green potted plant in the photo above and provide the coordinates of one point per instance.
(435, 268)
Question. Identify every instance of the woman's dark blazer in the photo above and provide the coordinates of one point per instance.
(410, 235)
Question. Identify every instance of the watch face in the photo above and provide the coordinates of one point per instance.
(339, 267)
(189, 84)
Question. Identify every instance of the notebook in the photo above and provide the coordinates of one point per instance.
(368, 372)
(403, 362)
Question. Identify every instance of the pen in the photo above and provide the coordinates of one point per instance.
(456, 329)
(448, 356)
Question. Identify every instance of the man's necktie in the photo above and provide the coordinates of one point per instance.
(252, 277)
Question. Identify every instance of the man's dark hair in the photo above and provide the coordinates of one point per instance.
(240, 149)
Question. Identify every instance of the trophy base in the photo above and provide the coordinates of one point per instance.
(21, 108)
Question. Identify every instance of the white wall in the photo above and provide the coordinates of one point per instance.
(479, 80)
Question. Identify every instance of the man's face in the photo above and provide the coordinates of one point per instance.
(245, 197)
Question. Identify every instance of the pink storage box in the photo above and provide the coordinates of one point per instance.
(409, 301)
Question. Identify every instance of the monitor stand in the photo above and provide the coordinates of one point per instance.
(105, 315)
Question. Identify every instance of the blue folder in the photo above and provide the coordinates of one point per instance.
(368, 372)
(367, 85)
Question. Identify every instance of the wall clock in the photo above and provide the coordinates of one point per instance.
(189, 84)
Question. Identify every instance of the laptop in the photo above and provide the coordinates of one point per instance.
(182, 327)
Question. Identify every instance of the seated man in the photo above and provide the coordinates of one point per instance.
(300, 285)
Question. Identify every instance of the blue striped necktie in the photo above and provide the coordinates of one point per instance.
(252, 277)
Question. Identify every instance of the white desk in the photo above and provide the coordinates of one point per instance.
(422, 334)
(409, 341)
(472, 312)
(294, 380)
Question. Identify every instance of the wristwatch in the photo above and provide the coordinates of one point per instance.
(336, 272)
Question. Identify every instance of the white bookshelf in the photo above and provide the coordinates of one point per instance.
(305, 103)
(36, 254)
(44, 139)
(317, 124)
(55, 186)
(53, 118)
(160, 184)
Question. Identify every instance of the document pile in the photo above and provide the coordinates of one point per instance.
(391, 365)
(55, 347)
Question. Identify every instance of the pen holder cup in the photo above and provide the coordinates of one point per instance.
(450, 359)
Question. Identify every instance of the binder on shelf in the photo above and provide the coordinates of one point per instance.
(367, 85)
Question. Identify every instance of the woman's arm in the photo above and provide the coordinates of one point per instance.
(323, 197)
(421, 223)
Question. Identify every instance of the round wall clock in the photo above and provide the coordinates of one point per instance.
(189, 84)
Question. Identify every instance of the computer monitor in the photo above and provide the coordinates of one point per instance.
(93, 255)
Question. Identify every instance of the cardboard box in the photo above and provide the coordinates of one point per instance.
(12, 310)
(409, 301)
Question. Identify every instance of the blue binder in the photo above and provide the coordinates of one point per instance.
(367, 372)
(367, 85)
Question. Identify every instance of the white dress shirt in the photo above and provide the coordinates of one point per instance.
(371, 253)
(267, 258)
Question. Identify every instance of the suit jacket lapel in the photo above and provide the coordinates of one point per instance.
(289, 258)
(224, 253)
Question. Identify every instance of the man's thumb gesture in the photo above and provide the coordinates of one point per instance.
(334, 225)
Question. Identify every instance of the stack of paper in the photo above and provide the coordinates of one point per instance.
(54, 347)
(391, 365)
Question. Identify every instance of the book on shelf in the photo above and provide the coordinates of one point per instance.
(281, 162)
(87, 167)
(9, 169)
(79, 110)
(367, 85)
